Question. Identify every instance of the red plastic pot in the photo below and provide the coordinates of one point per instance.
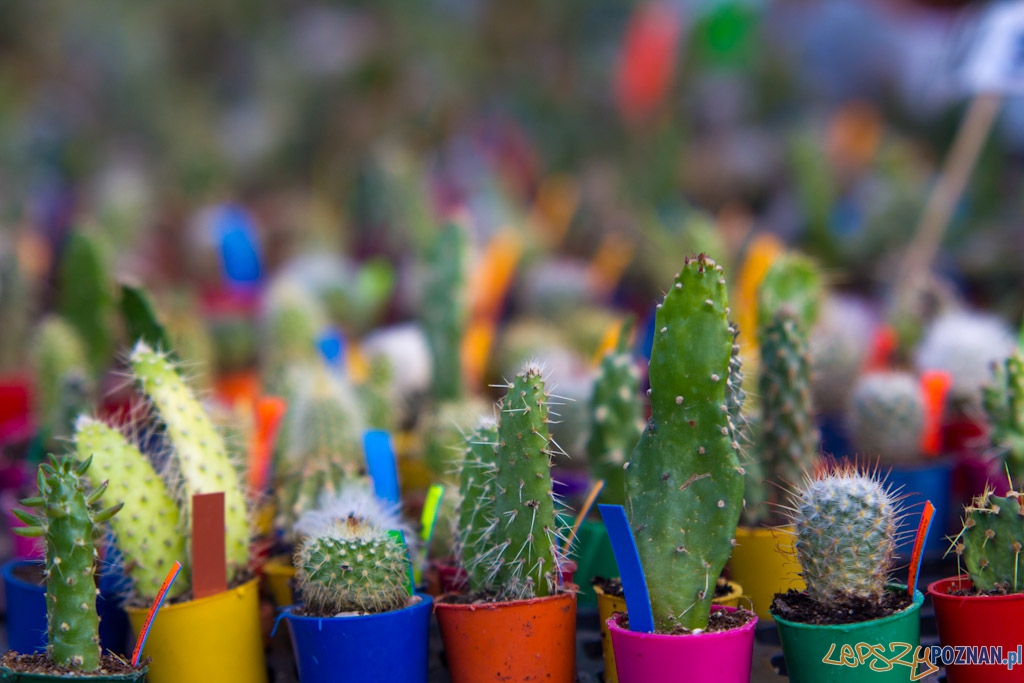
(979, 621)
(722, 657)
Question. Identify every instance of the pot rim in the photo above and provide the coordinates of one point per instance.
(134, 676)
(914, 606)
(764, 531)
(568, 593)
(425, 602)
(208, 600)
(7, 571)
(613, 626)
(735, 591)
(934, 592)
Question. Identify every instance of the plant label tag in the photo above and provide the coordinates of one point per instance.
(995, 61)
(634, 584)
(209, 559)
(381, 465)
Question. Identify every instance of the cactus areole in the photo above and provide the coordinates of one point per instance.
(684, 483)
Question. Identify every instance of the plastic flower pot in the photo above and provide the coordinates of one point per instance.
(278, 573)
(387, 648)
(764, 563)
(594, 557)
(18, 677)
(973, 473)
(830, 653)
(983, 621)
(520, 640)
(722, 657)
(213, 639)
(26, 613)
(917, 484)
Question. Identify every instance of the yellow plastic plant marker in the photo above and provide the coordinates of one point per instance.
(762, 251)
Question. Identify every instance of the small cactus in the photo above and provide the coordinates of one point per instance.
(684, 483)
(886, 417)
(476, 503)
(839, 345)
(70, 524)
(292, 321)
(64, 383)
(846, 523)
(86, 297)
(991, 541)
(375, 396)
(1004, 406)
(349, 565)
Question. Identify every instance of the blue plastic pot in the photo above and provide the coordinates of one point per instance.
(917, 484)
(26, 613)
(384, 648)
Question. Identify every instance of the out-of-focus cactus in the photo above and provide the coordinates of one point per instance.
(375, 396)
(839, 345)
(64, 382)
(886, 417)
(991, 541)
(17, 296)
(446, 309)
(793, 282)
(86, 297)
(292, 322)
(684, 482)
(444, 430)
(1004, 405)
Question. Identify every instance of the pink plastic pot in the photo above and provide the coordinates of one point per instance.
(723, 657)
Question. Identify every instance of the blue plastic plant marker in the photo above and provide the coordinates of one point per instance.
(331, 343)
(239, 250)
(634, 585)
(380, 462)
(400, 537)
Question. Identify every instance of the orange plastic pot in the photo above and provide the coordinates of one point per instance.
(521, 640)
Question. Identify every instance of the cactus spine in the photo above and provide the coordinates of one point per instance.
(845, 534)
(476, 505)
(352, 566)
(1004, 405)
(684, 483)
(198, 450)
(886, 417)
(991, 541)
(70, 524)
(445, 309)
(148, 533)
(615, 420)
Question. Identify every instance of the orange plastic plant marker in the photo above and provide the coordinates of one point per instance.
(935, 386)
(922, 536)
(269, 412)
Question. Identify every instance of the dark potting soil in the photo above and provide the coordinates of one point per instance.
(797, 606)
(30, 573)
(998, 589)
(720, 620)
(613, 587)
(39, 663)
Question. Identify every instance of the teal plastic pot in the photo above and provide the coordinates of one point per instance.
(594, 557)
(18, 677)
(853, 653)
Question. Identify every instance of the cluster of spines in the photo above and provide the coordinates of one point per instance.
(1004, 406)
(886, 417)
(846, 533)
(352, 566)
(991, 540)
(684, 482)
(70, 523)
(476, 504)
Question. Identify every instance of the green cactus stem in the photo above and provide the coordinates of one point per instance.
(1004, 405)
(615, 420)
(70, 524)
(199, 454)
(476, 503)
(684, 483)
(141, 320)
(351, 566)
(148, 533)
(793, 282)
(64, 383)
(846, 524)
(446, 310)
(886, 417)
(991, 540)
(86, 297)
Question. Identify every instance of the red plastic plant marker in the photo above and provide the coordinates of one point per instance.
(209, 561)
(269, 412)
(934, 388)
(922, 536)
(157, 604)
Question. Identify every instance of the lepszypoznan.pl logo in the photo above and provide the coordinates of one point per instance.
(921, 660)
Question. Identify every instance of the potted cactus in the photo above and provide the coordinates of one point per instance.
(684, 491)
(517, 621)
(70, 522)
(217, 636)
(846, 524)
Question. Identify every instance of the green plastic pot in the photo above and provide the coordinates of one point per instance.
(593, 554)
(19, 677)
(852, 653)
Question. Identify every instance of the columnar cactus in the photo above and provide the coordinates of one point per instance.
(846, 524)
(991, 540)
(476, 503)
(1004, 405)
(446, 309)
(351, 566)
(199, 454)
(886, 417)
(292, 321)
(64, 384)
(86, 296)
(375, 395)
(70, 524)
(148, 533)
(615, 420)
(684, 482)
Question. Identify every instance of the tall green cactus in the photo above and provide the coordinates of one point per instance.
(684, 483)
(70, 524)
(86, 297)
(445, 309)
(148, 533)
(846, 525)
(615, 420)
(1004, 405)
(64, 382)
(199, 454)
(991, 541)
(476, 503)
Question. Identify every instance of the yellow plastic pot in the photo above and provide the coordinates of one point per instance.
(214, 639)
(764, 563)
(607, 605)
(278, 573)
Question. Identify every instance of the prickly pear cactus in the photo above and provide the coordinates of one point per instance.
(476, 504)
(70, 524)
(198, 452)
(991, 541)
(1004, 405)
(351, 566)
(446, 309)
(148, 533)
(684, 482)
(846, 524)
(886, 417)
(64, 384)
(529, 561)
(615, 421)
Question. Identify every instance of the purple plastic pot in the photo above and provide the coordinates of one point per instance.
(722, 657)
